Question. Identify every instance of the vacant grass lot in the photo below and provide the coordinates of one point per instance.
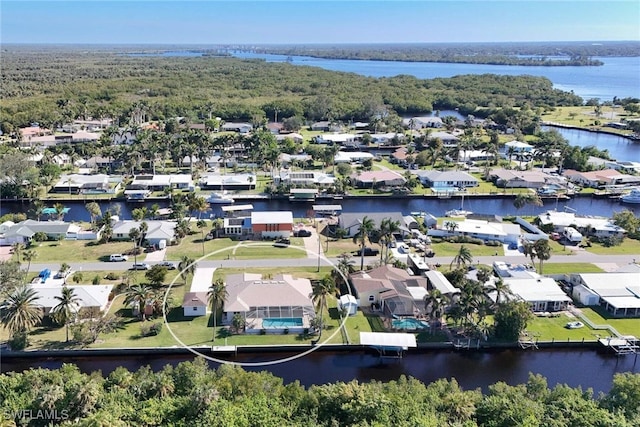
(553, 328)
(628, 247)
(78, 251)
(192, 247)
(569, 267)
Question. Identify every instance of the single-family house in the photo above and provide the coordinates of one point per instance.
(272, 305)
(304, 178)
(24, 231)
(399, 156)
(438, 180)
(335, 138)
(542, 294)
(159, 233)
(588, 225)
(517, 147)
(161, 182)
(423, 122)
(90, 298)
(326, 126)
(296, 137)
(351, 221)
(233, 182)
(485, 230)
(352, 157)
(272, 224)
(76, 184)
(287, 160)
(388, 138)
(448, 139)
(474, 156)
(619, 292)
(376, 179)
(242, 128)
(507, 178)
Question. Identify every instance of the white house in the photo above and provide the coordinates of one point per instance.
(335, 138)
(75, 183)
(485, 230)
(619, 292)
(352, 157)
(423, 122)
(24, 231)
(244, 181)
(542, 293)
(304, 178)
(159, 233)
(445, 179)
(589, 225)
(518, 147)
(90, 297)
(195, 304)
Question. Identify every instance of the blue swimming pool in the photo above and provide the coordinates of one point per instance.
(409, 324)
(282, 322)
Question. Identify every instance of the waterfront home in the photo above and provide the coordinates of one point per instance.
(588, 225)
(99, 162)
(351, 221)
(272, 224)
(474, 156)
(399, 156)
(335, 138)
(485, 230)
(388, 138)
(445, 180)
(326, 126)
(448, 139)
(273, 305)
(288, 160)
(437, 280)
(234, 182)
(541, 293)
(391, 290)
(377, 179)
(194, 304)
(76, 184)
(67, 138)
(161, 182)
(159, 233)
(90, 298)
(304, 178)
(423, 122)
(24, 231)
(618, 292)
(592, 179)
(506, 178)
(517, 147)
(242, 128)
(352, 157)
(626, 166)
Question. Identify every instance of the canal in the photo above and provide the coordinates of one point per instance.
(587, 368)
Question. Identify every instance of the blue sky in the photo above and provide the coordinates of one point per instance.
(244, 22)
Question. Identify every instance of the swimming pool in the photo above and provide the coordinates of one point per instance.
(282, 322)
(409, 324)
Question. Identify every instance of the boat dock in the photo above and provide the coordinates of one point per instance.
(622, 345)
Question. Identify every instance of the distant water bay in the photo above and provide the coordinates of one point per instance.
(619, 76)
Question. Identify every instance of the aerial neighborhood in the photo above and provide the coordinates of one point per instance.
(285, 227)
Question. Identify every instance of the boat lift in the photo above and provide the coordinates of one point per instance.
(388, 345)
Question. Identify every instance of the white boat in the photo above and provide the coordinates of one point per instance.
(458, 212)
(633, 197)
(574, 325)
(220, 199)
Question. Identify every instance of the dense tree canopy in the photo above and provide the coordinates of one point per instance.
(191, 394)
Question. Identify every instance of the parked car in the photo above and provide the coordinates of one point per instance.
(168, 265)
(118, 257)
(302, 233)
(141, 266)
(574, 325)
(282, 243)
(429, 253)
(368, 252)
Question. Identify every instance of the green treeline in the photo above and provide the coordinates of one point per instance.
(517, 53)
(54, 86)
(192, 394)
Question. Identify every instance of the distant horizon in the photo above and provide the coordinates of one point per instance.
(245, 22)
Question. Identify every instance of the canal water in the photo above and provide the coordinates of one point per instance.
(472, 369)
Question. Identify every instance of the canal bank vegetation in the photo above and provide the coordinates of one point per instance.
(193, 394)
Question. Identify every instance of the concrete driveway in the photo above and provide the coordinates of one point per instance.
(5, 253)
(156, 256)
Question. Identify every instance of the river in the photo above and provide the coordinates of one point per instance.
(585, 368)
(619, 148)
(619, 76)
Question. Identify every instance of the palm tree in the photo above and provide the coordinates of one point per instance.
(138, 296)
(19, 311)
(29, 256)
(198, 204)
(17, 249)
(319, 292)
(434, 304)
(388, 228)
(134, 236)
(501, 290)
(343, 268)
(202, 224)
(463, 257)
(543, 251)
(362, 236)
(66, 308)
(94, 211)
(59, 208)
(217, 295)
(186, 266)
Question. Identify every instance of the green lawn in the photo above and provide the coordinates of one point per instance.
(78, 251)
(192, 247)
(553, 328)
(628, 247)
(599, 316)
(569, 267)
(584, 116)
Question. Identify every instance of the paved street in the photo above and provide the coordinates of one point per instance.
(585, 257)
